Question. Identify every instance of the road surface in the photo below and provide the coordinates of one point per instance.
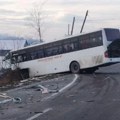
(76, 97)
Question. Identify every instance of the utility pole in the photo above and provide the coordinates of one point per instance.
(68, 29)
(73, 25)
(84, 22)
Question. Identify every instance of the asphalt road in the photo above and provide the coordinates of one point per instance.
(86, 97)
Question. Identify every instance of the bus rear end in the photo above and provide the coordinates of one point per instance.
(113, 48)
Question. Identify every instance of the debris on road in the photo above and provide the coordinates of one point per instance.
(43, 89)
(14, 100)
(9, 99)
(4, 95)
(17, 100)
(46, 90)
(5, 101)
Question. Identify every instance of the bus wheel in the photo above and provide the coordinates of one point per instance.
(75, 67)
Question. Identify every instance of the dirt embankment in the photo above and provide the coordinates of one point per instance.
(10, 77)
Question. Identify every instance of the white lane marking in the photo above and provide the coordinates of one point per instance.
(5, 101)
(70, 84)
(62, 89)
(39, 114)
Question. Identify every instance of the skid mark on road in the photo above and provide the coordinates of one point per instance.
(39, 114)
(104, 85)
(98, 85)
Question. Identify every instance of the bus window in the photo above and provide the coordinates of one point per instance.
(55, 51)
(24, 57)
(81, 44)
(29, 56)
(74, 42)
(98, 37)
(60, 49)
(68, 47)
(92, 40)
(95, 39)
(85, 43)
(40, 54)
(99, 40)
(19, 58)
(48, 52)
(13, 60)
(34, 55)
(112, 34)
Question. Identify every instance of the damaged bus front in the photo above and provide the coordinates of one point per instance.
(113, 48)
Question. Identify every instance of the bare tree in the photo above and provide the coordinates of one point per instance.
(36, 16)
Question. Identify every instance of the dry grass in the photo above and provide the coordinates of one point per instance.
(10, 77)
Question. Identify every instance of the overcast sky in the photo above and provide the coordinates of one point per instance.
(15, 14)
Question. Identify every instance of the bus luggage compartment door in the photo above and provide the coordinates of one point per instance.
(25, 73)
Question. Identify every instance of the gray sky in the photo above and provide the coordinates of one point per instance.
(14, 16)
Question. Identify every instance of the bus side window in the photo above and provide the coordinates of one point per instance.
(55, 50)
(29, 57)
(19, 58)
(93, 42)
(24, 57)
(60, 50)
(34, 55)
(40, 54)
(82, 44)
(96, 40)
(71, 47)
(67, 48)
(75, 44)
(99, 39)
(13, 60)
(48, 52)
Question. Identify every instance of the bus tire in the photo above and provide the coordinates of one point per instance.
(75, 67)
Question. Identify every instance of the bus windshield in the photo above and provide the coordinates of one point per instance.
(112, 34)
(114, 49)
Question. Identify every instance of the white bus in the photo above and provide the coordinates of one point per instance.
(84, 52)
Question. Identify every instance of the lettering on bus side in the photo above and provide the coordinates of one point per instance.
(50, 58)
